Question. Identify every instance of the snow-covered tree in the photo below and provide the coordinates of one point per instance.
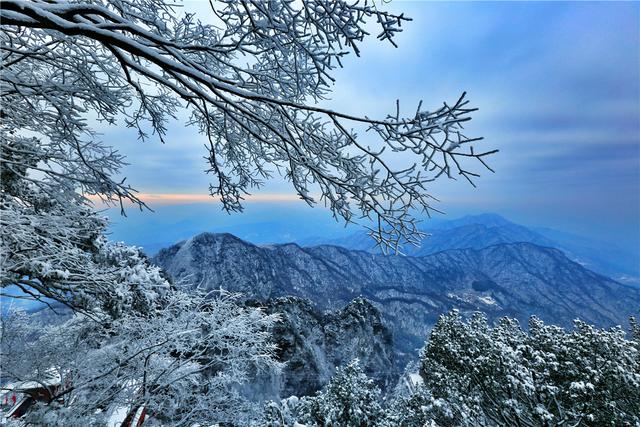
(285, 413)
(251, 79)
(414, 410)
(409, 403)
(350, 399)
(183, 363)
(476, 374)
(52, 241)
(60, 252)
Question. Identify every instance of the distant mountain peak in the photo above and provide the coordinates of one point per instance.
(207, 236)
(488, 229)
(485, 219)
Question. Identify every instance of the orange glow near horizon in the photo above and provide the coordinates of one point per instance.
(183, 199)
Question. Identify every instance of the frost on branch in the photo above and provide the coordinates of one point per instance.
(53, 244)
(252, 81)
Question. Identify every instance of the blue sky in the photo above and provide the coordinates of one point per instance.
(558, 87)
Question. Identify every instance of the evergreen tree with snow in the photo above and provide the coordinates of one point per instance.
(413, 410)
(350, 399)
(476, 374)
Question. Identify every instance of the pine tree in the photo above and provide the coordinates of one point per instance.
(482, 375)
(350, 399)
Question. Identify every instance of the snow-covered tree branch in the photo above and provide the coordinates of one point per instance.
(251, 80)
(184, 363)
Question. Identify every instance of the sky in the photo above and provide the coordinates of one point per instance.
(558, 91)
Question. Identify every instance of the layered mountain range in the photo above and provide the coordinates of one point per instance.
(481, 231)
(513, 279)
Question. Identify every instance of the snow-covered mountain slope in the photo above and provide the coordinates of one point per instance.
(515, 279)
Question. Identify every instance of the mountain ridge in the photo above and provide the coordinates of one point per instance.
(483, 230)
(512, 279)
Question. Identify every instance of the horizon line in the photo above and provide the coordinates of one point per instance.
(188, 198)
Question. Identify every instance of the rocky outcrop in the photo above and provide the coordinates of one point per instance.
(312, 344)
